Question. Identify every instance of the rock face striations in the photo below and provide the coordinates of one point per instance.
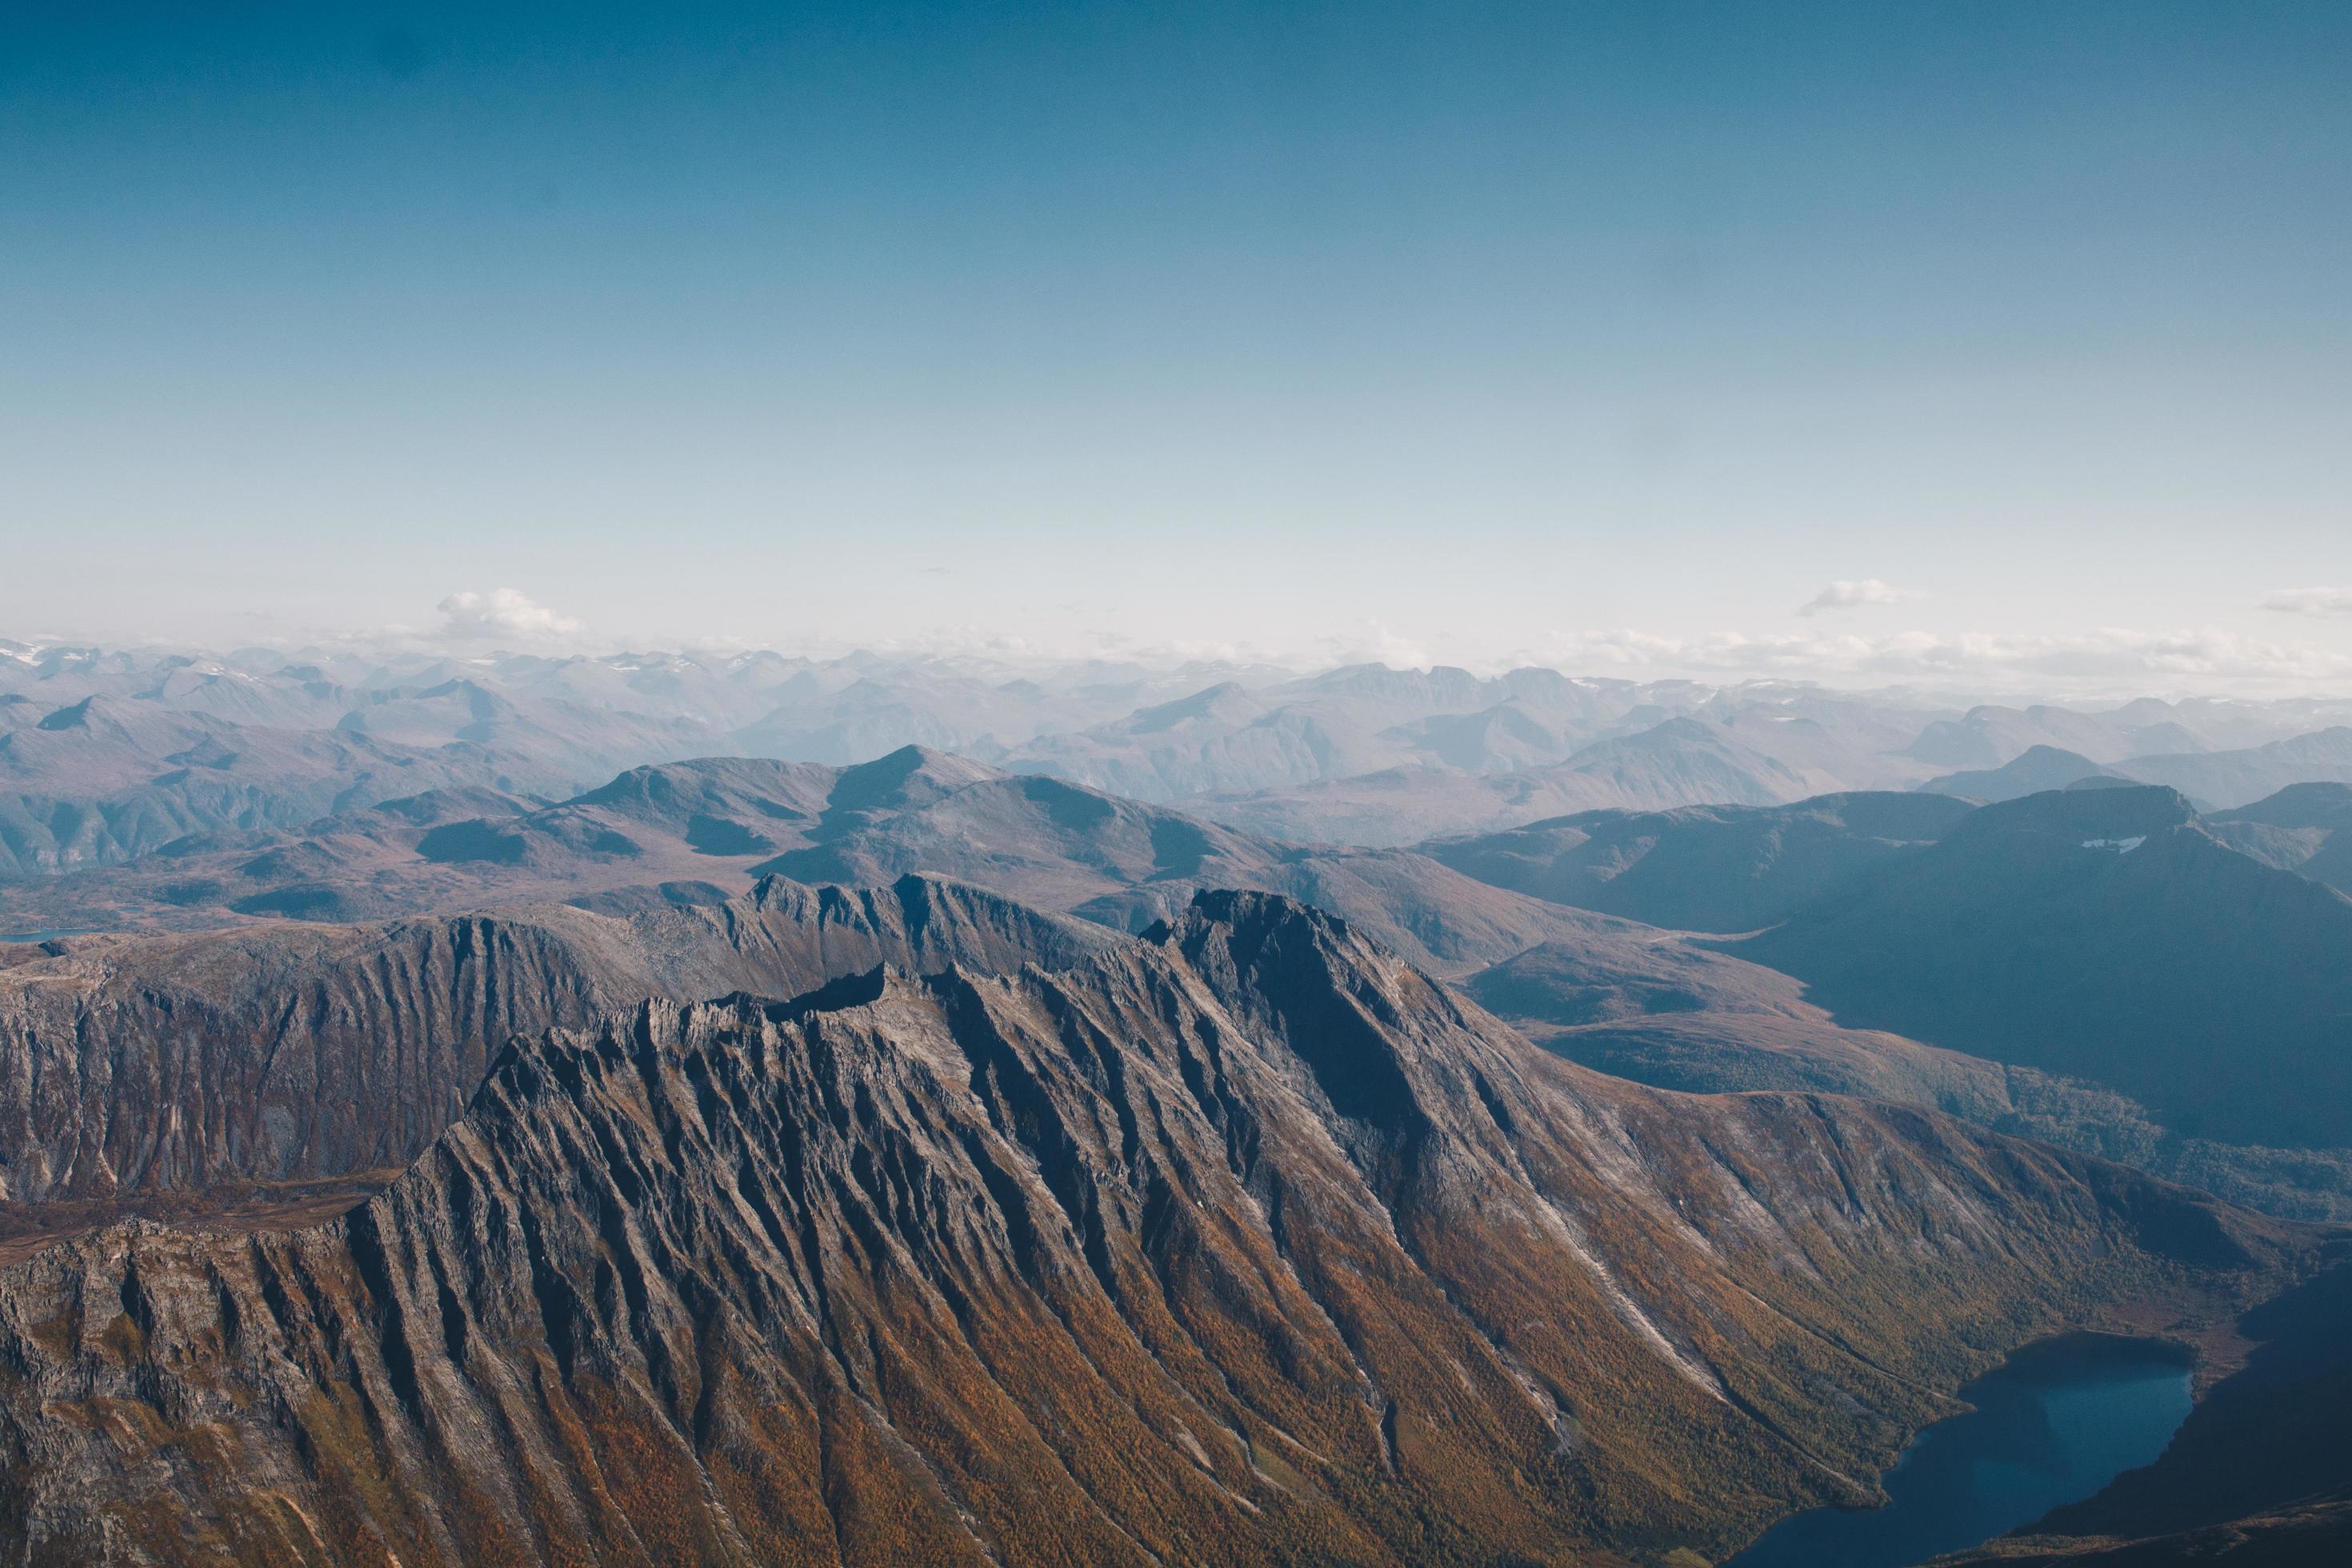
(295, 1053)
(1243, 1243)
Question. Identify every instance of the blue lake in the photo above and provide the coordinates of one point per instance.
(2056, 1424)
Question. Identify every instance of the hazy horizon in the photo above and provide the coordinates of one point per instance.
(2064, 675)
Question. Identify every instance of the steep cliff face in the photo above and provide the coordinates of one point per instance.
(294, 1053)
(1244, 1244)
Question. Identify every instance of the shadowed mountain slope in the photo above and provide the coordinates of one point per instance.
(1669, 1012)
(2103, 934)
(1247, 1245)
(1660, 1010)
(1713, 868)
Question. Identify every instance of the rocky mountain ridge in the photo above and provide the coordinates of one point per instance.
(1244, 1242)
(288, 1055)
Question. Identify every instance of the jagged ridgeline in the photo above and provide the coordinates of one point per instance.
(286, 1056)
(1244, 1242)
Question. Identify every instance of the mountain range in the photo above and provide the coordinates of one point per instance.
(2030, 964)
(1241, 1241)
(698, 832)
(679, 1108)
(2112, 1062)
(2217, 780)
(1362, 753)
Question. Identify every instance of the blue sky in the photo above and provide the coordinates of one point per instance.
(1448, 331)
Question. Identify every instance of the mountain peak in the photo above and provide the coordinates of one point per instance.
(1246, 915)
(903, 777)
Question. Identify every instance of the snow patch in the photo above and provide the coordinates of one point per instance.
(2120, 846)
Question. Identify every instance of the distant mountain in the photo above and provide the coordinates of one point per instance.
(1363, 754)
(1245, 1244)
(1680, 761)
(681, 832)
(1675, 762)
(880, 713)
(99, 782)
(2101, 934)
(678, 825)
(1987, 737)
(2230, 779)
(1337, 757)
(1712, 868)
(1224, 738)
(2304, 828)
(2031, 772)
(550, 746)
(1126, 864)
(550, 726)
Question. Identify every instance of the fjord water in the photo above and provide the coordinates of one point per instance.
(2054, 1423)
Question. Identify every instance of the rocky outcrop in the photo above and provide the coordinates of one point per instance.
(1244, 1244)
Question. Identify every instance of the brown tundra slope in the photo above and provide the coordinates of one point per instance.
(281, 1056)
(1243, 1243)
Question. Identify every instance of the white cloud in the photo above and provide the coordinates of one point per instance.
(2311, 601)
(468, 616)
(1842, 594)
